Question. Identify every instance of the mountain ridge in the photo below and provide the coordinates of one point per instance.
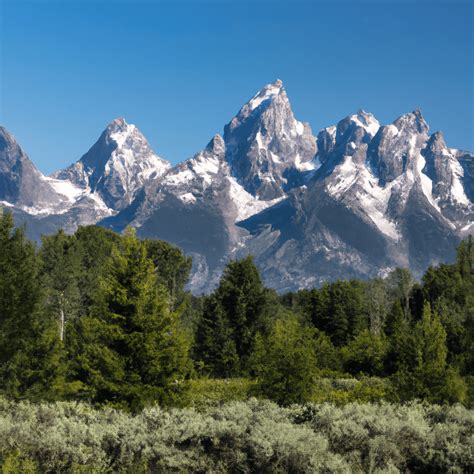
(355, 200)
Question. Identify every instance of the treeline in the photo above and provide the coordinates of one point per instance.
(106, 318)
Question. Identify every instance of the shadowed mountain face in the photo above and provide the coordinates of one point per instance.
(20, 182)
(355, 201)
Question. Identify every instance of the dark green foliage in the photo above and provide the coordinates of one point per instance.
(366, 353)
(172, 269)
(214, 345)
(425, 373)
(29, 351)
(232, 315)
(107, 318)
(285, 362)
(60, 274)
(339, 309)
(132, 350)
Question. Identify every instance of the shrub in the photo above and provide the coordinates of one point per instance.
(250, 436)
(206, 392)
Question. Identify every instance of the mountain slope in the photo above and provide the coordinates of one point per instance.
(117, 165)
(21, 184)
(392, 197)
(356, 201)
(267, 148)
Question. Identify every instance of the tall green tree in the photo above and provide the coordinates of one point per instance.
(133, 351)
(339, 309)
(428, 376)
(285, 362)
(60, 271)
(238, 309)
(214, 345)
(30, 362)
(172, 269)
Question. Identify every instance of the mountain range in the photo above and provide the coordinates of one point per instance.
(356, 200)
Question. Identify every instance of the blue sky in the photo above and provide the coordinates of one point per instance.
(180, 70)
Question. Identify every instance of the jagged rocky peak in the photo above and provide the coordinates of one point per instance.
(357, 128)
(434, 152)
(445, 171)
(326, 142)
(259, 102)
(117, 165)
(267, 148)
(216, 145)
(395, 147)
(193, 176)
(20, 181)
(349, 137)
(413, 122)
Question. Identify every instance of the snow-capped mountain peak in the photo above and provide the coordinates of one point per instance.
(267, 93)
(268, 150)
(367, 121)
(366, 199)
(413, 122)
(117, 165)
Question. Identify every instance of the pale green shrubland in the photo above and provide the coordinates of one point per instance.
(240, 436)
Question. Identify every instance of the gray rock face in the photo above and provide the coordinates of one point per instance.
(266, 146)
(21, 184)
(391, 152)
(396, 197)
(357, 201)
(117, 166)
(466, 159)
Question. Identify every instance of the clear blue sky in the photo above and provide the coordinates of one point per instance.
(181, 70)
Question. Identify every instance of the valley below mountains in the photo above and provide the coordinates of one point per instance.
(355, 200)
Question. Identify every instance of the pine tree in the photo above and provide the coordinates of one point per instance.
(30, 362)
(214, 344)
(134, 351)
(236, 311)
(242, 296)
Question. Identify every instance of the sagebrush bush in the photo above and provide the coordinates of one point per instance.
(251, 436)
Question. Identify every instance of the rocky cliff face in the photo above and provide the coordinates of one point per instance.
(117, 166)
(267, 148)
(21, 184)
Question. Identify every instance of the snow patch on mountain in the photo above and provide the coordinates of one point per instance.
(367, 121)
(246, 204)
(65, 188)
(266, 93)
(369, 197)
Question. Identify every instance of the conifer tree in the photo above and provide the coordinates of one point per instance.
(235, 312)
(134, 351)
(214, 344)
(30, 364)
